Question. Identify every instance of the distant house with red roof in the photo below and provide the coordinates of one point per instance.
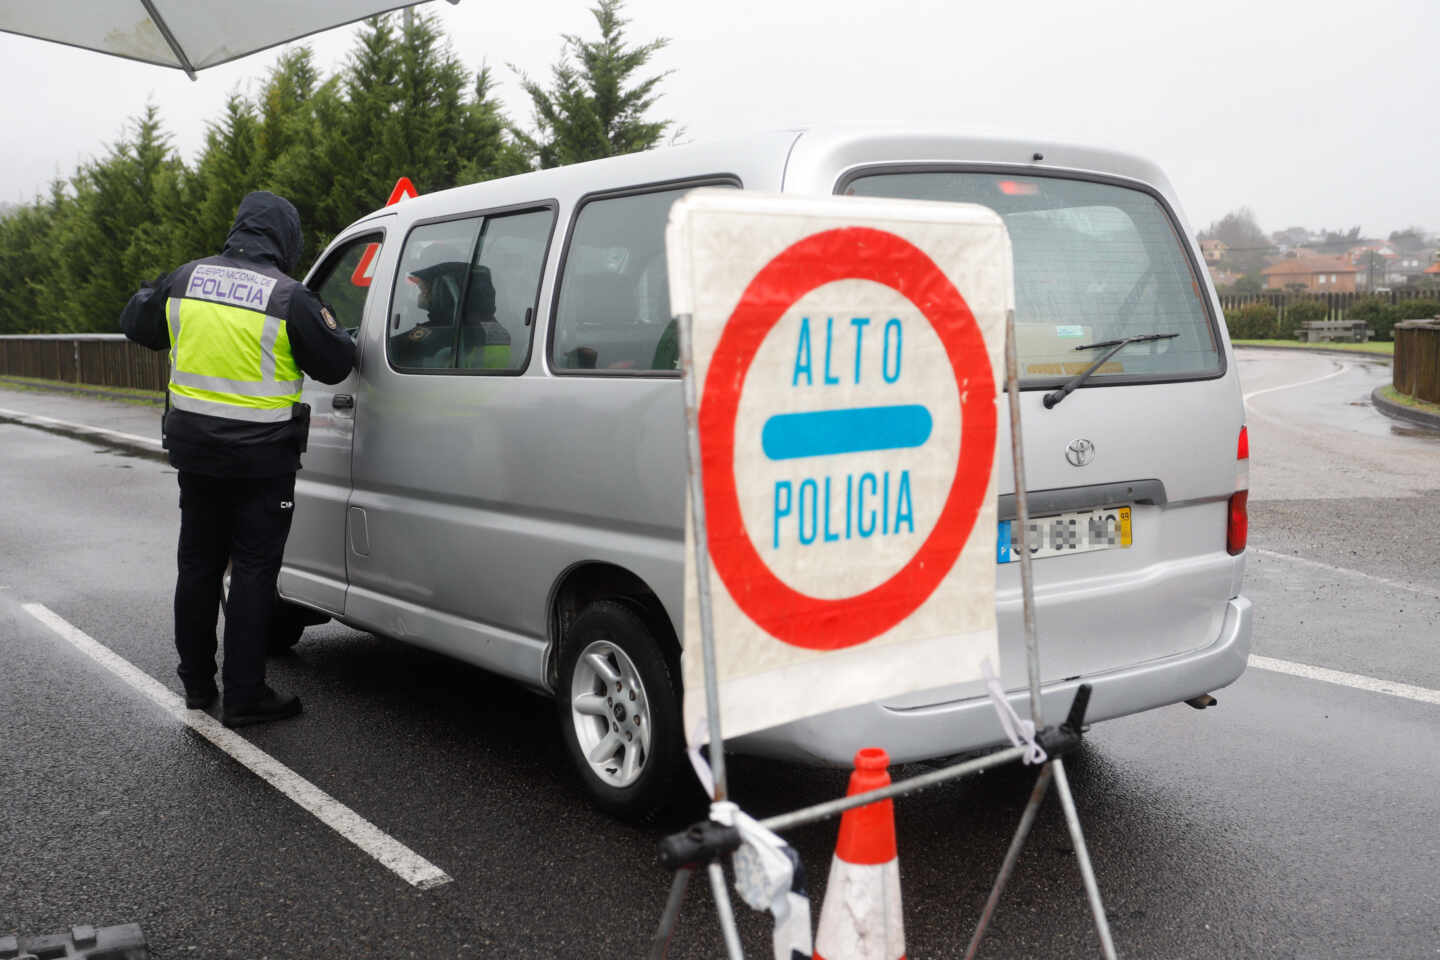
(1312, 273)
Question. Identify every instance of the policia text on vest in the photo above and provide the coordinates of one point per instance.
(241, 335)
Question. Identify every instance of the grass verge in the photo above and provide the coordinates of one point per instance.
(1381, 349)
(123, 394)
(1405, 400)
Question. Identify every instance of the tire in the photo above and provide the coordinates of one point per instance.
(618, 700)
(287, 620)
(287, 623)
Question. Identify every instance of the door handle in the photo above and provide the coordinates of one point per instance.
(343, 401)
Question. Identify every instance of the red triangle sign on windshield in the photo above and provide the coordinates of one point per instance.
(365, 269)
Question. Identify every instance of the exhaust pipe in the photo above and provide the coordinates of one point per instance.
(1202, 701)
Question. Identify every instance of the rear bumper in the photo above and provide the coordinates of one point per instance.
(962, 725)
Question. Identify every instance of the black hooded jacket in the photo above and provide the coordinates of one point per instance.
(266, 239)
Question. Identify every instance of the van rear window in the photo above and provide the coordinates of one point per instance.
(1093, 261)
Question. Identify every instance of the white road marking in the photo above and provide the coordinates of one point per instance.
(1353, 680)
(1302, 383)
(1431, 592)
(392, 854)
(101, 431)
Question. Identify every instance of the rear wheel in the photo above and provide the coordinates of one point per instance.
(619, 708)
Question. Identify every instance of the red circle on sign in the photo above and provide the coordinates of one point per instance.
(849, 253)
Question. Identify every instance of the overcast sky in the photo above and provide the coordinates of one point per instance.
(1318, 114)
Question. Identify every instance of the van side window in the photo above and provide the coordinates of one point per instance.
(465, 296)
(345, 280)
(613, 312)
(425, 307)
(504, 283)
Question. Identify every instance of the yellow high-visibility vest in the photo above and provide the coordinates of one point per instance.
(229, 357)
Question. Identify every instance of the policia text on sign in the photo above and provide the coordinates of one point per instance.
(859, 504)
(241, 334)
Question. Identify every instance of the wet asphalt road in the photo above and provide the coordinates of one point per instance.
(1298, 819)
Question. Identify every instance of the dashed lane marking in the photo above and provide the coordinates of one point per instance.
(1353, 680)
(392, 854)
(22, 416)
(1396, 584)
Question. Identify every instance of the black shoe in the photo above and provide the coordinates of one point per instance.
(269, 706)
(201, 699)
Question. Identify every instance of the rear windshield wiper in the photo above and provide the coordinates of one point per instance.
(1055, 396)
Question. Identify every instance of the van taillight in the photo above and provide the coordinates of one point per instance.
(1237, 525)
(1238, 529)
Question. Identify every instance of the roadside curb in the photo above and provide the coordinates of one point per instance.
(112, 439)
(77, 390)
(1392, 409)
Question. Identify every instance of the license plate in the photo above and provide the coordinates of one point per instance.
(1063, 533)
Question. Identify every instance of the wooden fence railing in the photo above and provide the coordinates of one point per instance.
(98, 359)
(1417, 359)
(1336, 303)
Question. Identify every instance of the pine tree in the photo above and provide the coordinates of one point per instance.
(404, 105)
(588, 111)
(489, 150)
(117, 227)
(28, 266)
(230, 166)
(283, 103)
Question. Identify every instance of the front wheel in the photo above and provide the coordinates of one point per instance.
(287, 620)
(619, 708)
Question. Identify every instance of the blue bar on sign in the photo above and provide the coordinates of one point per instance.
(787, 436)
(1002, 543)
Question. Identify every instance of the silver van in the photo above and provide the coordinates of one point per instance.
(502, 479)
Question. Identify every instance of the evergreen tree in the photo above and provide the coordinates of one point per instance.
(115, 229)
(230, 166)
(283, 103)
(403, 105)
(490, 151)
(26, 263)
(588, 111)
(315, 167)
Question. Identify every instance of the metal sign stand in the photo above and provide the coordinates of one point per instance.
(705, 843)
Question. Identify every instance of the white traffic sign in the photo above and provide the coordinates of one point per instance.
(846, 354)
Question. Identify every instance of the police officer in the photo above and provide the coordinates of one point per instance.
(240, 333)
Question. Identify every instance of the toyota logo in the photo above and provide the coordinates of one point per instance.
(1080, 452)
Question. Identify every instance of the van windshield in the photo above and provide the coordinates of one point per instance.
(1093, 262)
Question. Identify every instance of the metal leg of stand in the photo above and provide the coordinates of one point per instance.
(1087, 873)
(660, 945)
(1027, 820)
(725, 912)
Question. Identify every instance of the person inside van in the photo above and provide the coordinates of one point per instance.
(430, 341)
(439, 293)
(484, 343)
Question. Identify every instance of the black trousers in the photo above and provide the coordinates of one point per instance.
(243, 522)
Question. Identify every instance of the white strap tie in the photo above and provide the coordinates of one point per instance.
(1021, 732)
(765, 878)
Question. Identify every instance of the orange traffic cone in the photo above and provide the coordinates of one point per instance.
(861, 918)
